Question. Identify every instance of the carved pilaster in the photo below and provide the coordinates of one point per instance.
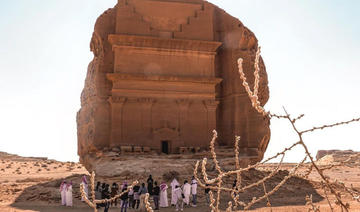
(183, 109)
(239, 126)
(211, 106)
(146, 122)
(183, 118)
(117, 104)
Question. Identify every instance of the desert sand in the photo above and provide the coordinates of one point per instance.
(32, 184)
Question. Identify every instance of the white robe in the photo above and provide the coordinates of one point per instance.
(69, 199)
(193, 187)
(179, 199)
(187, 190)
(164, 202)
(173, 195)
(86, 191)
(63, 194)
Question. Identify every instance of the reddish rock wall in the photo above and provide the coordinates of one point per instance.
(164, 74)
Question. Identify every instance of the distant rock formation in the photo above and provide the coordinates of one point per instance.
(328, 157)
(13, 157)
(322, 153)
(164, 75)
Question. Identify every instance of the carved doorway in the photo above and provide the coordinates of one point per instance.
(165, 147)
(166, 140)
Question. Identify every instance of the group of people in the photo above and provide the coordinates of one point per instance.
(104, 191)
(66, 193)
(134, 198)
(180, 194)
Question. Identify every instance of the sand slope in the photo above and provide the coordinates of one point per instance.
(31, 184)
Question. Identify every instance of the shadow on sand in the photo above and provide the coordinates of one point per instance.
(292, 193)
(45, 195)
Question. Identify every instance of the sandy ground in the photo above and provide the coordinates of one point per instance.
(31, 185)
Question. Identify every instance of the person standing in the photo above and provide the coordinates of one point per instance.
(136, 197)
(179, 198)
(235, 187)
(194, 191)
(69, 199)
(150, 183)
(103, 186)
(164, 202)
(156, 195)
(131, 198)
(207, 195)
(173, 184)
(124, 199)
(102, 190)
(121, 188)
(142, 193)
(85, 185)
(234, 184)
(105, 194)
(114, 192)
(186, 191)
(123, 185)
(98, 192)
(63, 192)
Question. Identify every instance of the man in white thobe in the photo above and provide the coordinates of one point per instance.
(63, 192)
(186, 191)
(164, 202)
(69, 198)
(193, 191)
(174, 183)
(179, 198)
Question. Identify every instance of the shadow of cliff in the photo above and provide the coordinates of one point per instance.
(292, 193)
(44, 194)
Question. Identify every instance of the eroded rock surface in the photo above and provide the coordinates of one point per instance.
(164, 75)
(330, 157)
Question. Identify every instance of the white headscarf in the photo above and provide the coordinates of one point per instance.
(174, 183)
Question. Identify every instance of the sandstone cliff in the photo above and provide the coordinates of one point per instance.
(171, 33)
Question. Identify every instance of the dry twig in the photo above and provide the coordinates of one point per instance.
(216, 184)
(94, 201)
(313, 207)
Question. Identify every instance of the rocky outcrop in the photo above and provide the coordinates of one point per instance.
(322, 153)
(164, 75)
(329, 157)
(13, 157)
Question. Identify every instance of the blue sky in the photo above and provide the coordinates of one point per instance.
(311, 51)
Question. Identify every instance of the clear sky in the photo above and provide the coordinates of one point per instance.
(311, 51)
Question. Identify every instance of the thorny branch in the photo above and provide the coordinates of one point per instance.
(313, 207)
(216, 184)
(94, 201)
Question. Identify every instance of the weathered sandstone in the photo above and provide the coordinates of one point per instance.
(164, 75)
(329, 157)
